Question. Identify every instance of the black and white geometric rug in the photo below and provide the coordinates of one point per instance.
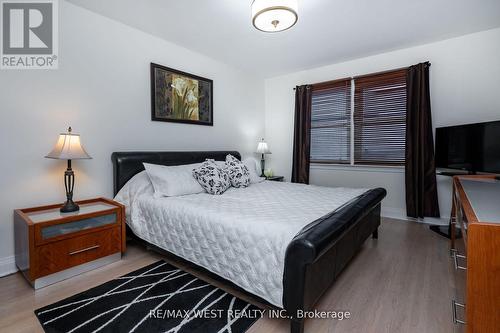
(155, 298)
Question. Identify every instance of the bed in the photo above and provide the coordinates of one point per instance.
(261, 238)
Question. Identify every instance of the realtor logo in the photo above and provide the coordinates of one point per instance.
(29, 34)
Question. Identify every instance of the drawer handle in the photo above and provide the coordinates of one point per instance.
(84, 250)
(454, 306)
(455, 255)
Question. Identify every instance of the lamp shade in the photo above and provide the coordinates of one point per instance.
(262, 148)
(68, 147)
(274, 15)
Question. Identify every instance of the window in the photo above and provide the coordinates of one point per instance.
(378, 120)
(331, 122)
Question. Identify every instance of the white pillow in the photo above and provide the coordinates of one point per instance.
(251, 164)
(172, 181)
(136, 186)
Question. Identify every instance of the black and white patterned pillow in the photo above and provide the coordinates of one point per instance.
(238, 172)
(212, 178)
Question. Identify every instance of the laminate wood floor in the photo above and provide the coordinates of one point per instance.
(401, 282)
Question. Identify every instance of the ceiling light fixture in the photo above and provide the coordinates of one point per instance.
(274, 15)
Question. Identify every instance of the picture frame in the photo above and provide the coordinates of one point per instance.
(180, 97)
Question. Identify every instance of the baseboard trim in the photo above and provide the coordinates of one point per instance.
(400, 214)
(394, 213)
(7, 265)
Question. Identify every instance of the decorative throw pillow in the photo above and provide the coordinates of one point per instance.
(239, 175)
(212, 178)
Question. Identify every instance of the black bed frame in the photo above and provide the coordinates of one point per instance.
(317, 254)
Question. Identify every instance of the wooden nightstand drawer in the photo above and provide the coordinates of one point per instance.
(65, 229)
(51, 246)
(101, 216)
(67, 253)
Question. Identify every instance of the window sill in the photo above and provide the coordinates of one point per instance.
(360, 168)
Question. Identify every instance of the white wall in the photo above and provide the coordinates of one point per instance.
(465, 84)
(102, 89)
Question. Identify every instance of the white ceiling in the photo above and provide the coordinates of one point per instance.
(328, 31)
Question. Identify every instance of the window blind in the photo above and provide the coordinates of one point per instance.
(331, 122)
(380, 118)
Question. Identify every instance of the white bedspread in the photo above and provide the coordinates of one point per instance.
(241, 235)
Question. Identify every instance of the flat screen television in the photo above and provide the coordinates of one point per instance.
(472, 147)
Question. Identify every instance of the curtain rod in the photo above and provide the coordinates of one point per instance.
(376, 73)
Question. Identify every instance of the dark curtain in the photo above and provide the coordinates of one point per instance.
(420, 177)
(302, 134)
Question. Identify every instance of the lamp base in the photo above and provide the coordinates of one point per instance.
(69, 206)
(262, 165)
(69, 183)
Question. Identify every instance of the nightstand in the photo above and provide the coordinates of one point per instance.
(276, 178)
(51, 246)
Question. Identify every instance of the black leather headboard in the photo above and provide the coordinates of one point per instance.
(127, 164)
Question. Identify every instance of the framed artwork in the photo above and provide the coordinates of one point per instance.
(180, 97)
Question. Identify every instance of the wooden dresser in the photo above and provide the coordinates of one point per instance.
(51, 246)
(476, 256)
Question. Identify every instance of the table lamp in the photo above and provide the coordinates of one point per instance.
(262, 149)
(68, 147)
